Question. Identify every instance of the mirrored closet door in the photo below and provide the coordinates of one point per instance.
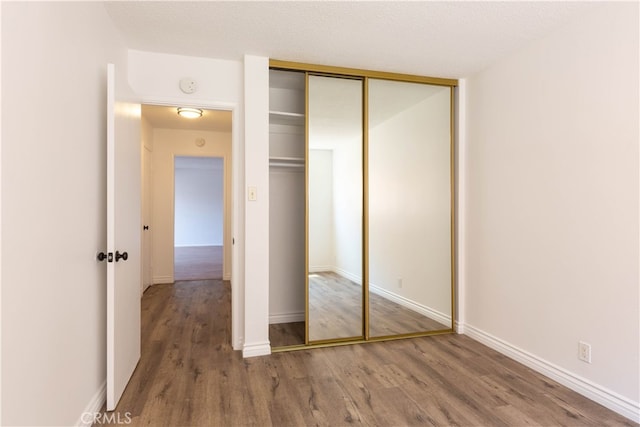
(410, 208)
(368, 193)
(334, 203)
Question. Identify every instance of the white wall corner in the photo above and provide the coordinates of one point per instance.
(93, 407)
(160, 280)
(256, 232)
(607, 398)
(256, 349)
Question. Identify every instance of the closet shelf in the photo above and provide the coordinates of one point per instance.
(286, 118)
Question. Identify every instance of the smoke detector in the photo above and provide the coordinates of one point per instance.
(188, 85)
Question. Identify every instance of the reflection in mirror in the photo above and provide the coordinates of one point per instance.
(335, 194)
(410, 278)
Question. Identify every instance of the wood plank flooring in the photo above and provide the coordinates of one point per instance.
(189, 376)
(197, 262)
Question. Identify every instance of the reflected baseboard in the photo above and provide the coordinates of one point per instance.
(320, 268)
(337, 270)
(411, 305)
(344, 273)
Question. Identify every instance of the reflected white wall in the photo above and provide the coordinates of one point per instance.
(410, 194)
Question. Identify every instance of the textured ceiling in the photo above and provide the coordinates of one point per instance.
(440, 39)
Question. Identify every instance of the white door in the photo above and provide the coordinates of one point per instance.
(123, 235)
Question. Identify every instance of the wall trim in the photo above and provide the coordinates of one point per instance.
(161, 280)
(320, 268)
(256, 349)
(608, 398)
(412, 305)
(94, 406)
(297, 316)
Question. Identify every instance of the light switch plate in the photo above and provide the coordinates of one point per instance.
(252, 194)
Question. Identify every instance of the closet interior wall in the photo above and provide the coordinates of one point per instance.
(286, 197)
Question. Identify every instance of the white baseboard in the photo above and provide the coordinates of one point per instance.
(256, 349)
(610, 399)
(226, 277)
(320, 268)
(286, 317)
(459, 327)
(412, 305)
(161, 280)
(94, 406)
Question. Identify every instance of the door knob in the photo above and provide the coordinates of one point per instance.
(102, 256)
(122, 256)
(146, 227)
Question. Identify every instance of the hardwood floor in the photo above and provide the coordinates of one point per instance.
(197, 262)
(286, 334)
(189, 376)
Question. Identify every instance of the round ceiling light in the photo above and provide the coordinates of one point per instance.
(189, 113)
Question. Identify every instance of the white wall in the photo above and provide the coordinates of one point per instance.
(169, 143)
(199, 207)
(256, 103)
(552, 204)
(347, 206)
(54, 209)
(286, 244)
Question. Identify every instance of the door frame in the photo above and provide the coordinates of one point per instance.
(237, 248)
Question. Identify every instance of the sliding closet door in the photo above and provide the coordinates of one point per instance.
(334, 209)
(410, 208)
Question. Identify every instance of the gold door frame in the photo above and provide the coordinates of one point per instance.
(365, 75)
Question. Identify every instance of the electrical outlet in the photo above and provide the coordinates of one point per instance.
(584, 351)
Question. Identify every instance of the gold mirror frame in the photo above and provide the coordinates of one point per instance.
(365, 75)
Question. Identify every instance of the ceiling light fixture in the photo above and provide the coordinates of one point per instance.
(189, 113)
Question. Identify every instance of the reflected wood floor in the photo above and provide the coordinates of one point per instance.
(197, 262)
(335, 311)
(189, 376)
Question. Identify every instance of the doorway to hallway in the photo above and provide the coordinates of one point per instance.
(179, 144)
